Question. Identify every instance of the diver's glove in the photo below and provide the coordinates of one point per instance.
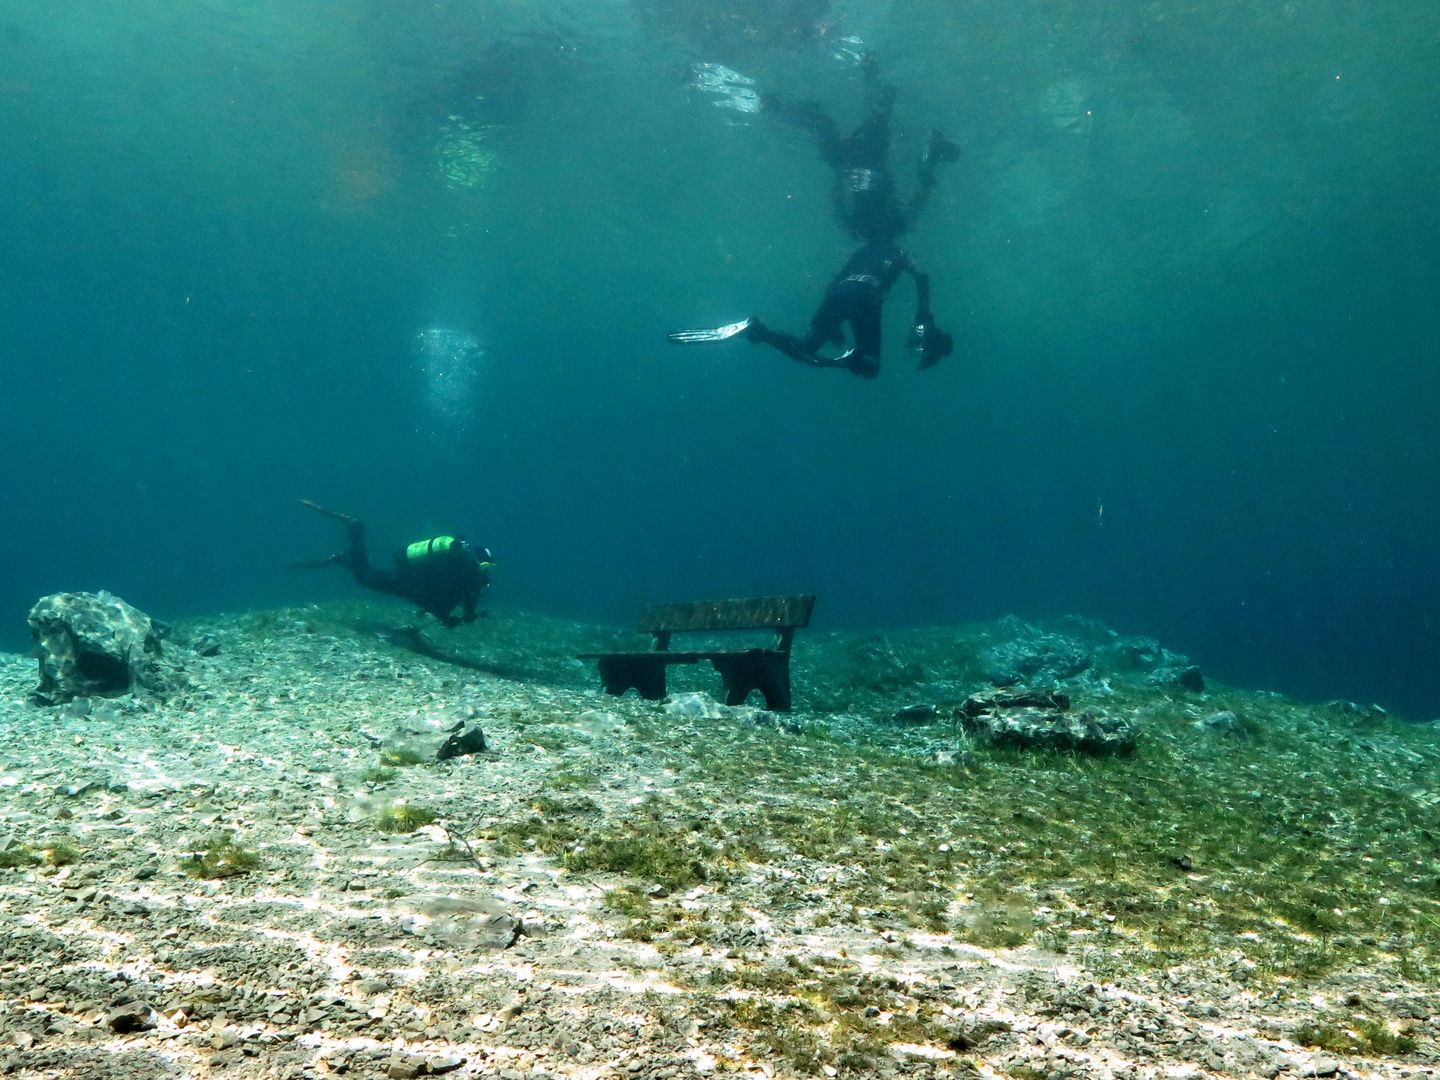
(929, 341)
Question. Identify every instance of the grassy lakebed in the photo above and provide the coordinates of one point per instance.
(703, 889)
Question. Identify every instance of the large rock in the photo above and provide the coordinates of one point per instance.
(96, 645)
(879, 666)
(1041, 719)
(1160, 666)
(1035, 658)
(436, 736)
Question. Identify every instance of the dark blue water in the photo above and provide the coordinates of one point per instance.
(1189, 257)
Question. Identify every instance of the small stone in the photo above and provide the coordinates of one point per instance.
(915, 714)
(1186, 676)
(1326, 1066)
(437, 736)
(207, 645)
(1224, 724)
(132, 1017)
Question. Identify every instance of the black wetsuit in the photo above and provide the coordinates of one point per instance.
(867, 205)
(437, 583)
(857, 296)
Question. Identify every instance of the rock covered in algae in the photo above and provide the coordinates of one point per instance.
(1224, 724)
(1184, 675)
(1041, 719)
(1035, 658)
(435, 736)
(96, 645)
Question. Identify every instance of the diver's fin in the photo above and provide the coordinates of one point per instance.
(719, 333)
(346, 518)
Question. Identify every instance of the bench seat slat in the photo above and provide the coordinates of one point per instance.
(670, 657)
(755, 613)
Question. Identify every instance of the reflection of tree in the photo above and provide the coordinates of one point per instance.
(462, 154)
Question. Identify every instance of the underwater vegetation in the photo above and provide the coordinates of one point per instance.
(1269, 838)
(1287, 853)
(390, 757)
(400, 817)
(15, 855)
(221, 857)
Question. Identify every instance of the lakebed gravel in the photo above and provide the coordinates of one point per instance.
(352, 951)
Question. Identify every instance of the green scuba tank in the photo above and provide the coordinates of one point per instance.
(422, 550)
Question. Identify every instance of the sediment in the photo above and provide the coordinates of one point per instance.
(652, 890)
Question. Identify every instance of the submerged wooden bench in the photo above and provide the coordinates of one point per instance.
(743, 670)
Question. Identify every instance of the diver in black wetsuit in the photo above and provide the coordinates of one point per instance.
(436, 575)
(868, 207)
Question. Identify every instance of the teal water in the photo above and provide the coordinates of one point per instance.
(1189, 257)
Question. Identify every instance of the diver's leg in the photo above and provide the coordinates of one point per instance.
(784, 342)
(864, 358)
(357, 558)
(808, 116)
(825, 326)
(354, 557)
(871, 140)
(939, 151)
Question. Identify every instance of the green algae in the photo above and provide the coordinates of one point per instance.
(54, 853)
(1341, 1034)
(401, 817)
(1271, 856)
(1307, 844)
(18, 856)
(221, 857)
(60, 853)
(391, 758)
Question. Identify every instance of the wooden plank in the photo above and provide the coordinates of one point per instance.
(679, 657)
(755, 613)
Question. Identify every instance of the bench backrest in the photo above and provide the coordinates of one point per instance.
(756, 613)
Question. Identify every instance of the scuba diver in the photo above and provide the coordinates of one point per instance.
(436, 575)
(868, 207)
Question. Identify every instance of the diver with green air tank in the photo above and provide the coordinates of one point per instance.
(436, 575)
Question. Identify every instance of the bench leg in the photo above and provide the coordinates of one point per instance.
(768, 672)
(620, 673)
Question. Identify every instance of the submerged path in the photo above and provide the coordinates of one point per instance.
(651, 892)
